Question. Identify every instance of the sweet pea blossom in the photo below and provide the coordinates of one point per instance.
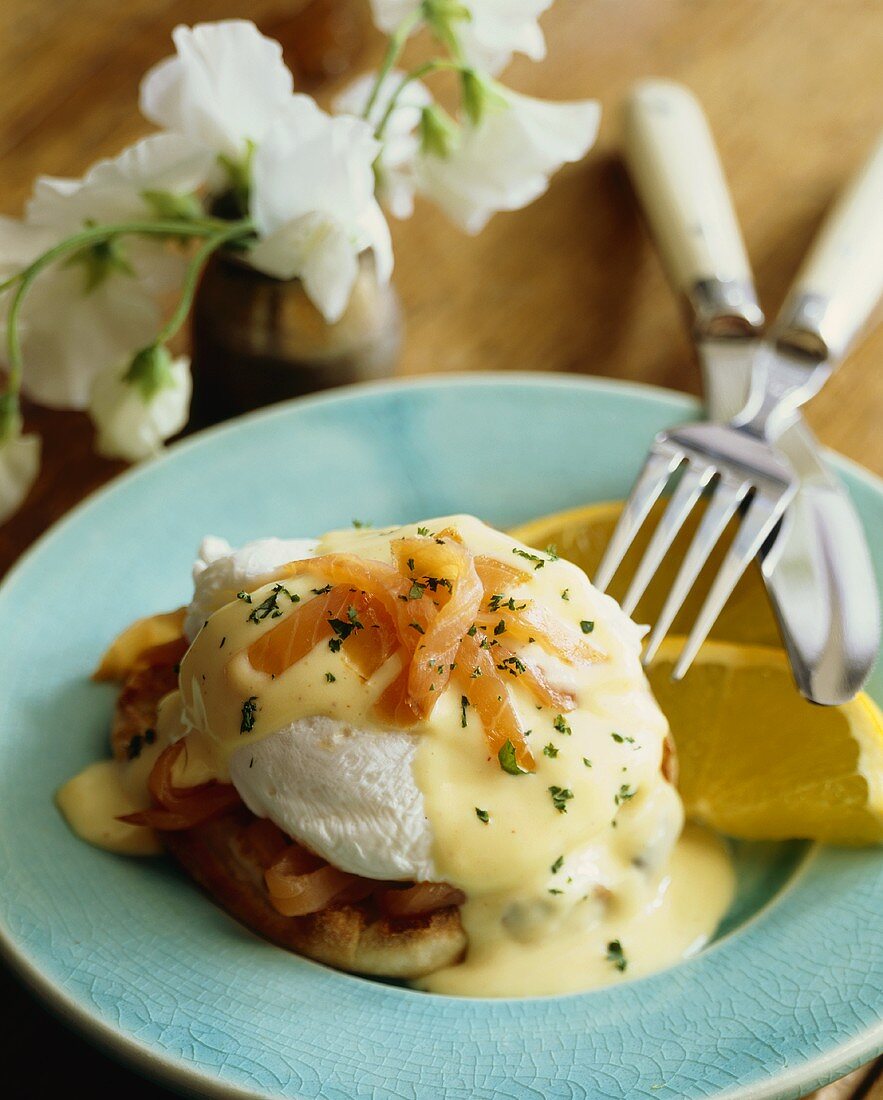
(93, 309)
(394, 169)
(313, 203)
(505, 161)
(136, 413)
(19, 465)
(119, 189)
(489, 31)
(222, 88)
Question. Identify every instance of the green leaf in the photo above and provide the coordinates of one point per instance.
(508, 761)
(438, 132)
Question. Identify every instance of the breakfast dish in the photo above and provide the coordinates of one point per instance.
(426, 752)
(143, 964)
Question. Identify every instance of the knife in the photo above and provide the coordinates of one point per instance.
(817, 567)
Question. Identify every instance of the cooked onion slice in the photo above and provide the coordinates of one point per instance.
(181, 807)
(423, 897)
(299, 883)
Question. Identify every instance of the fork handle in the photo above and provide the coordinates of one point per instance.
(841, 280)
(670, 153)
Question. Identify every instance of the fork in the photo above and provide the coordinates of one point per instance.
(736, 464)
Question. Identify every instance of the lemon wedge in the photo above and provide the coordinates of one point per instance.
(580, 535)
(757, 761)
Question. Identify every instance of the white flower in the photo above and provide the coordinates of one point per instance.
(505, 162)
(136, 415)
(68, 332)
(313, 203)
(114, 190)
(396, 179)
(495, 30)
(86, 313)
(222, 88)
(19, 465)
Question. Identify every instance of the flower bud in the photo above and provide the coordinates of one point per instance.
(438, 132)
(135, 411)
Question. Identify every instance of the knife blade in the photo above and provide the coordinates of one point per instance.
(818, 572)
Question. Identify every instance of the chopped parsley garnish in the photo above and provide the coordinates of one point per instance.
(472, 630)
(360, 523)
(330, 677)
(245, 596)
(619, 739)
(321, 591)
(586, 626)
(249, 710)
(482, 815)
(557, 865)
(625, 793)
(423, 531)
(464, 703)
(587, 762)
(434, 583)
(552, 551)
(270, 609)
(616, 955)
(550, 750)
(560, 797)
(512, 665)
(508, 760)
(500, 628)
(344, 629)
(535, 558)
(417, 627)
(561, 725)
(416, 592)
(565, 595)
(552, 890)
(497, 601)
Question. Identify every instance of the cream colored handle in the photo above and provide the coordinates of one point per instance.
(672, 158)
(841, 280)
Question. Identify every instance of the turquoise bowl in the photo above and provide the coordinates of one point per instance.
(790, 994)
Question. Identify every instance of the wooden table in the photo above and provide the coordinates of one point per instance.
(794, 92)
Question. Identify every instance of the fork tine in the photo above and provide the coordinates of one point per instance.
(659, 466)
(727, 497)
(683, 499)
(763, 514)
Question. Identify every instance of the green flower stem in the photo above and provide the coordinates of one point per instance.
(396, 44)
(191, 277)
(426, 69)
(97, 234)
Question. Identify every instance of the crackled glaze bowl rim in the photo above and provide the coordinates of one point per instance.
(806, 1072)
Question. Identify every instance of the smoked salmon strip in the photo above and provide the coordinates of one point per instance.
(498, 577)
(304, 627)
(484, 689)
(375, 578)
(534, 624)
(431, 669)
(445, 612)
(525, 672)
